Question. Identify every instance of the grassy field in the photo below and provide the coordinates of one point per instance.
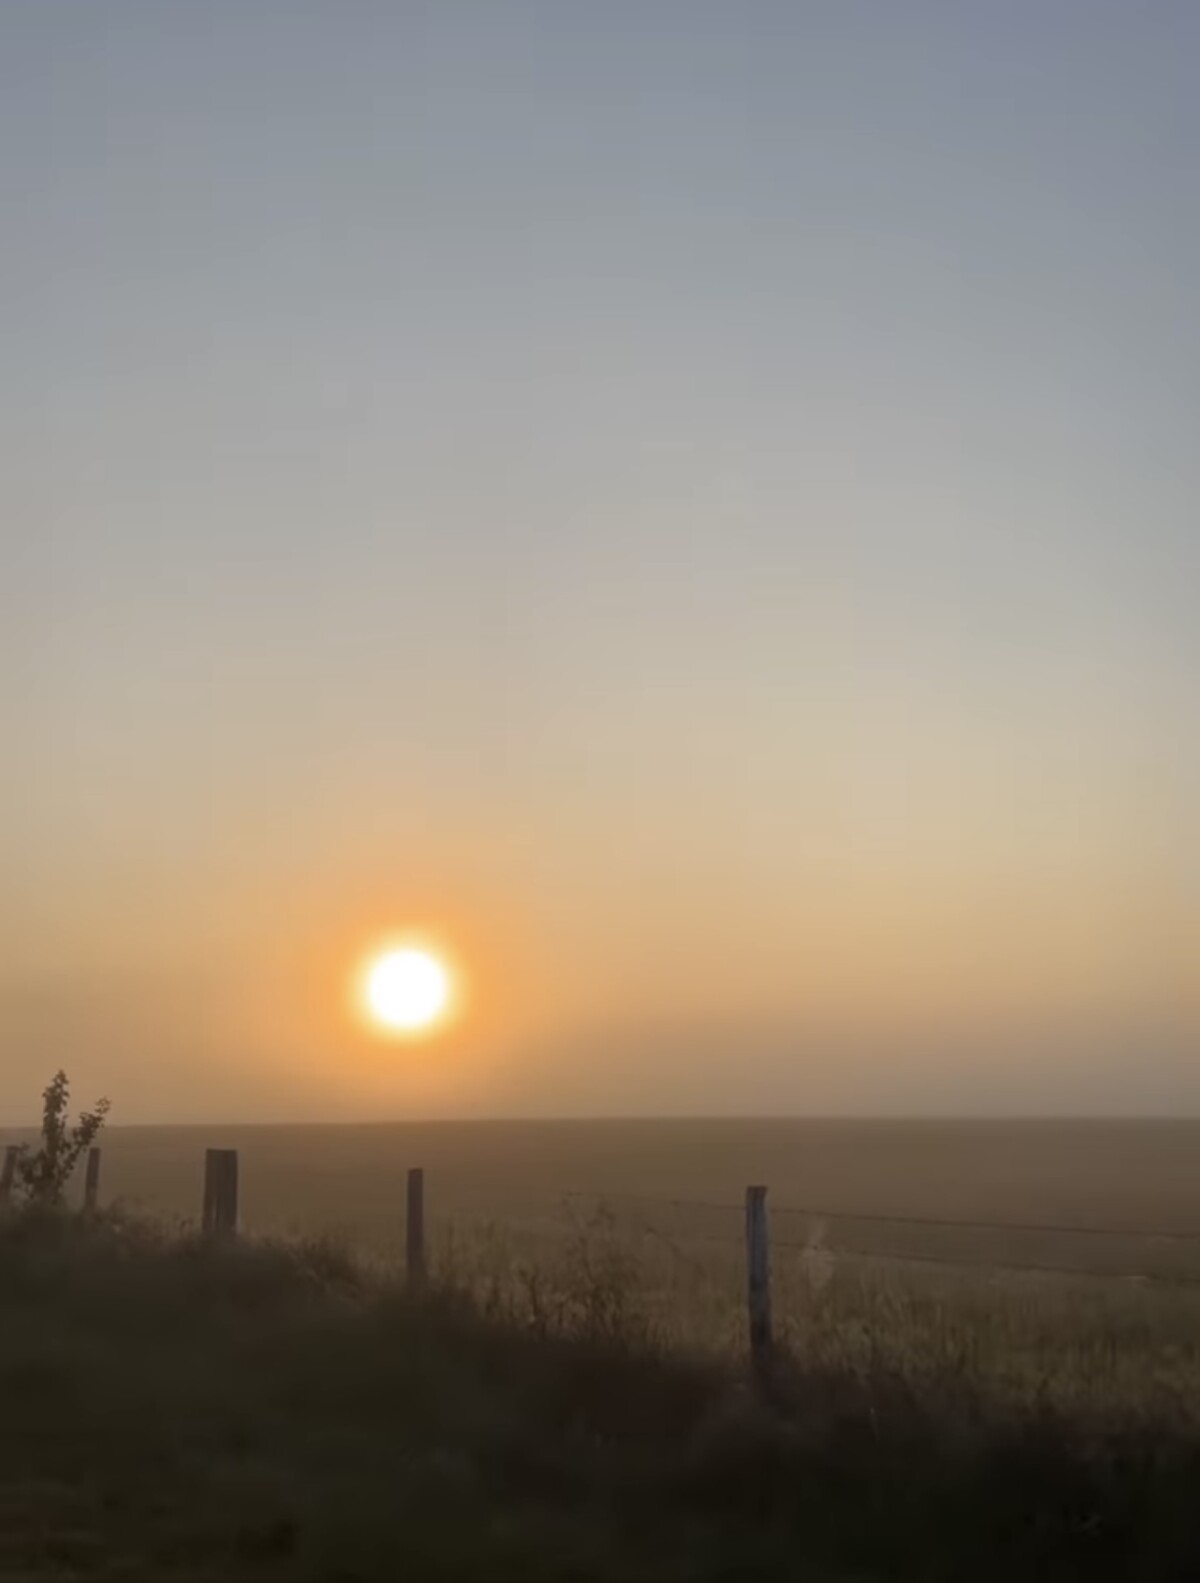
(186, 1411)
(664, 1200)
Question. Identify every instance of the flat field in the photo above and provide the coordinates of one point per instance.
(914, 1239)
(1133, 1175)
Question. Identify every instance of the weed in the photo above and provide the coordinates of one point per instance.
(42, 1173)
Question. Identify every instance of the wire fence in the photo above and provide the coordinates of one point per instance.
(687, 1229)
(821, 1217)
(1106, 1311)
(812, 1212)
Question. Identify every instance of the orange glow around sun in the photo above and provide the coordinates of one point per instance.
(407, 989)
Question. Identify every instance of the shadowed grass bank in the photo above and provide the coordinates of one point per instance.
(178, 1409)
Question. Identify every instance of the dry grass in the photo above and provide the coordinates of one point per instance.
(1086, 1346)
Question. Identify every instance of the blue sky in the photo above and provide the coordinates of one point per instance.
(665, 476)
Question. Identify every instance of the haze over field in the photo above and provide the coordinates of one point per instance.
(690, 509)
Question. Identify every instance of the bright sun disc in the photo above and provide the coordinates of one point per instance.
(407, 990)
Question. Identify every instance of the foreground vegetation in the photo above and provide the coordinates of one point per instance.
(174, 1408)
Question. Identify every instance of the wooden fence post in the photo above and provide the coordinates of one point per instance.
(91, 1183)
(758, 1277)
(220, 1218)
(415, 1227)
(8, 1171)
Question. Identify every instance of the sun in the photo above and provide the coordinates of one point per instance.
(408, 990)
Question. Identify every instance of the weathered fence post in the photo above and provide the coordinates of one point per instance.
(220, 1218)
(91, 1182)
(414, 1246)
(758, 1277)
(8, 1171)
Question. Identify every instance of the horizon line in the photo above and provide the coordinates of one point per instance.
(906, 1118)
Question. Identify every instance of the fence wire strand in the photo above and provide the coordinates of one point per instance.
(887, 1256)
(1130, 1233)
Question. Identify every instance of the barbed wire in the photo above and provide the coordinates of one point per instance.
(884, 1219)
(732, 1244)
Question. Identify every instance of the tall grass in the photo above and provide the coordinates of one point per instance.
(1088, 1346)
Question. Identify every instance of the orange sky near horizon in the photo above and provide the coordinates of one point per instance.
(242, 1004)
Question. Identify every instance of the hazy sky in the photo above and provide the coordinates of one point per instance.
(694, 503)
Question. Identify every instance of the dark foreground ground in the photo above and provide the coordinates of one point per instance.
(174, 1410)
